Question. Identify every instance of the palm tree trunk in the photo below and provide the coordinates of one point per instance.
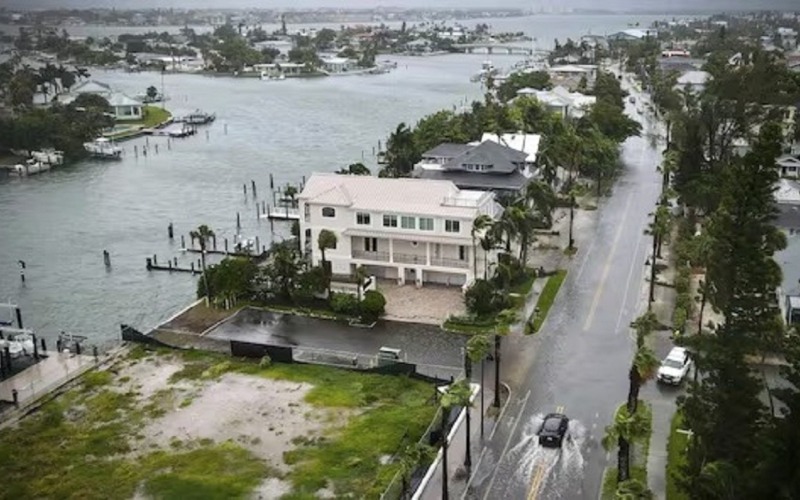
(623, 460)
(700, 314)
(205, 275)
(496, 370)
(633, 390)
(445, 431)
(652, 296)
(483, 391)
(468, 456)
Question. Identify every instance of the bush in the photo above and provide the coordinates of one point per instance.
(344, 303)
(372, 307)
(483, 299)
(679, 318)
(233, 278)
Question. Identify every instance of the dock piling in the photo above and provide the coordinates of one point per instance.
(258, 244)
(106, 258)
(183, 242)
(257, 212)
(18, 313)
(226, 246)
(253, 185)
(214, 242)
(156, 148)
(22, 271)
(263, 206)
(206, 135)
(170, 231)
(44, 344)
(170, 265)
(15, 397)
(149, 264)
(192, 264)
(238, 222)
(244, 188)
(155, 260)
(175, 261)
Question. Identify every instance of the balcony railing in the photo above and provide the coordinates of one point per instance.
(442, 262)
(363, 254)
(410, 258)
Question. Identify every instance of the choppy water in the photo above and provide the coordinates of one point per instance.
(60, 222)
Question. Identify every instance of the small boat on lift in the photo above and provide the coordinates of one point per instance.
(198, 118)
(104, 149)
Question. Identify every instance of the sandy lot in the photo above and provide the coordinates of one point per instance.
(260, 414)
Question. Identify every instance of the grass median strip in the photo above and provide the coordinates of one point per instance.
(676, 457)
(639, 450)
(545, 302)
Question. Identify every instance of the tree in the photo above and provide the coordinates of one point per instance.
(401, 153)
(626, 429)
(723, 408)
(645, 364)
(284, 269)
(612, 122)
(325, 241)
(539, 80)
(480, 225)
(541, 198)
(203, 234)
(230, 279)
(478, 348)
(324, 39)
(152, 92)
(482, 299)
(354, 169)
(373, 306)
(360, 274)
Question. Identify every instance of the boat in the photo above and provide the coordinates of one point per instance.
(271, 76)
(103, 148)
(487, 70)
(18, 344)
(49, 156)
(198, 118)
(30, 167)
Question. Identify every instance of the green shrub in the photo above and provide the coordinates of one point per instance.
(373, 306)
(679, 318)
(483, 299)
(344, 303)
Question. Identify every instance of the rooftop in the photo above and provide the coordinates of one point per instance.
(527, 143)
(502, 159)
(694, 78)
(413, 196)
(446, 150)
(514, 181)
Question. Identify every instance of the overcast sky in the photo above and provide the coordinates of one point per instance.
(626, 5)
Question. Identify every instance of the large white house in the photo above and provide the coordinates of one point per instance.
(410, 230)
(123, 107)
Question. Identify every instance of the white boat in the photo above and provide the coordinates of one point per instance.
(487, 70)
(198, 118)
(48, 156)
(103, 148)
(18, 345)
(271, 76)
(30, 167)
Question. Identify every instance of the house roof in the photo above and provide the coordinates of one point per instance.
(90, 87)
(513, 181)
(569, 68)
(527, 143)
(446, 150)
(501, 158)
(788, 161)
(412, 196)
(694, 78)
(119, 99)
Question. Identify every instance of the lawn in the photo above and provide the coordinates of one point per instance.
(545, 302)
(676, 457)
(84, 443)
(639, 451)
(153, 115)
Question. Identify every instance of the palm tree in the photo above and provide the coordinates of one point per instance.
(326, 239)
(478, 348)
(457, 395)
(645, 364)
(360, 274)
(203, 234)
(542, 199)
(668, 166)
(625, 429)
(488, 242)
(480, 225)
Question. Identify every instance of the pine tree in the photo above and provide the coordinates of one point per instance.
(723, 409)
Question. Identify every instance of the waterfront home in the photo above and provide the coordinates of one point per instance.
(788, 166)
(335, 65)
(278, 69)
(632, 35)
(409, 230)
(570, 75)
(560, 100)
(504, 164)
(123, 107)
(787, 197)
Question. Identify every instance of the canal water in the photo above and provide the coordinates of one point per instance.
(60, 222)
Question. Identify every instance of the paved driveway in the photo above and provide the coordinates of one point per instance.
(430, 304)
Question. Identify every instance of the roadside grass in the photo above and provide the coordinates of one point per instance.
(78, 445)
(639, 450)
(676, 458)
(545, 302)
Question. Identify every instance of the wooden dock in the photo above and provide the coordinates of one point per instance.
(281, 213)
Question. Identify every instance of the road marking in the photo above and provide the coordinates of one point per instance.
(536, 482)
(634, 264)
(505, 449)
(586, 258)
(559, 409)
(607, 266)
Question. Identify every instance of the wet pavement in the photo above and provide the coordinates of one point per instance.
(421, 344)
(578, 362)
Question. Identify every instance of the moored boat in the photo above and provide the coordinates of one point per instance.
(103, 148)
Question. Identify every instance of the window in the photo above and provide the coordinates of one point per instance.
(370, 244)
(462, 252)
(425, 224)
(389, 221)
(408, 222)
(452, 226)
(328, 212)
(362, 219)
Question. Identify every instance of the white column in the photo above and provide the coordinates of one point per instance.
(428, 253)
(391, 250)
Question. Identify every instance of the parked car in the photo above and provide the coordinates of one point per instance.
(553, 430)
(675, 366)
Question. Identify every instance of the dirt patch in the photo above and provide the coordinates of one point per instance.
(274, 415)
(197, 319)
(429, 304)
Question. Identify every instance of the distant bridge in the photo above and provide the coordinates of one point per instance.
(492, 48)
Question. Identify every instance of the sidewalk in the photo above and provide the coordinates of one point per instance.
(456, 453)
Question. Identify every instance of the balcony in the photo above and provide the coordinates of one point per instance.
(442, 262)
(409, 258)
(377, 256)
